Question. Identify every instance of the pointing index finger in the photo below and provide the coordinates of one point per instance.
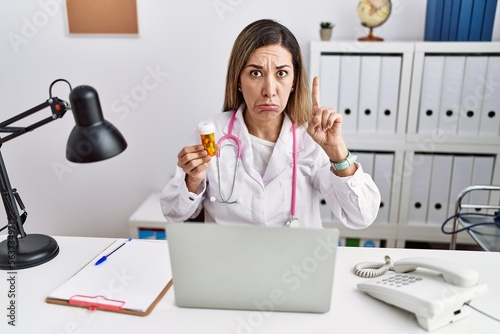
(315, 92)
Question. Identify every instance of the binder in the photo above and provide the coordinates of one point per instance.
(472, 95)
(420, 185)
(454, 18)
(329, 79)
(449, 110)
(439, 195)
(464, 20)
(445, 24)
(490, 111)
(482, 175)
(352, 242)
(368, 93)
(366, 160)
(341, 242)
(488, 20)
(389, 94)
(430, 95)
(382, 176)
(131, 281)
(349, 91)
(476, 21)
(433, 17)
(370, 243)
(461, 176)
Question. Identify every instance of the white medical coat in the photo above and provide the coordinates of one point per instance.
(266, 200)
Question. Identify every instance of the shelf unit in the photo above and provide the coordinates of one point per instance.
(147, 218)
(406, 142)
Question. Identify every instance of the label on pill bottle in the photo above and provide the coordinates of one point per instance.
(207, 136)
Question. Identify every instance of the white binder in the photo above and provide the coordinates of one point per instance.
(366, 159)
(349, 91)
(461, 177)
(430, 96)
(420, 185)
(451, 94)
(329, 80)
(389, 94)
(482, 175)
(369, 83)
(439, 195)
(490, 113)
(382, 176)
(472, 95)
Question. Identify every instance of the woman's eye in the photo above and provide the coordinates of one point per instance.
(282, 73)
(255, 73)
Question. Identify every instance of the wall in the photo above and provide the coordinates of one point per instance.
(155, 88)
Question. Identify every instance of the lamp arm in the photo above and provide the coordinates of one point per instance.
(15, 220)
(58, 107)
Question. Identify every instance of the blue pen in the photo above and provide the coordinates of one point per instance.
(105, 257)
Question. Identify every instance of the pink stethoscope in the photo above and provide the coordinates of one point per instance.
(293, 222)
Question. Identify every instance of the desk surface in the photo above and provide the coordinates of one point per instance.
(351, 311)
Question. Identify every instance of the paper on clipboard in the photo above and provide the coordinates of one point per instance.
(132, 280)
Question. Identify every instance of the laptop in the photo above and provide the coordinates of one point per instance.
(252, 268)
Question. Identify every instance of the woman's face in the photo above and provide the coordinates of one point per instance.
(266, 82)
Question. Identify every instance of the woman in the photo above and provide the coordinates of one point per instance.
(268, 109)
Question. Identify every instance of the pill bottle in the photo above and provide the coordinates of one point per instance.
(207, 136)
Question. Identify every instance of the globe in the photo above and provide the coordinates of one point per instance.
(373, 13)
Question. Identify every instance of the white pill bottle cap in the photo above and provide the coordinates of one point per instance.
(206, 128)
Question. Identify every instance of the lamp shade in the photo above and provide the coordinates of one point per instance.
(93, 138)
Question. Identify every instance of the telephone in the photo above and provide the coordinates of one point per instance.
(435, 290)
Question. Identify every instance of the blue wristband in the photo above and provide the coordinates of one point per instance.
(341, 165)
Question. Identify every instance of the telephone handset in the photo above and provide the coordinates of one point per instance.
(435, 290)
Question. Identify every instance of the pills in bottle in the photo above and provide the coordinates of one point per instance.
(207, 136)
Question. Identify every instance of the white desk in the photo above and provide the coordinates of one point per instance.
(351, 312)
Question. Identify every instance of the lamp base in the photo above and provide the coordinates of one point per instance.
(32, 250)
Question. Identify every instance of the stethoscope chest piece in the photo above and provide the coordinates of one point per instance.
(293, 223)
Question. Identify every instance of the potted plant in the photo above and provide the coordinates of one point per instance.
(325, 32)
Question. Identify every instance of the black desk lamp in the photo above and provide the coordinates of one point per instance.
(92, 139)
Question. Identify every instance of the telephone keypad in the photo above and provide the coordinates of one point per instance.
(399, 280)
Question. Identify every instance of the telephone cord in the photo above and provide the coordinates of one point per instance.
(373, 269)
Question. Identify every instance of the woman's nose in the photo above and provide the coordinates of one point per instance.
(269, 88)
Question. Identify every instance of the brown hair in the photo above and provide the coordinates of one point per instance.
(262, 33)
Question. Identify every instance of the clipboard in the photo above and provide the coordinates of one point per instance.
(131, 281)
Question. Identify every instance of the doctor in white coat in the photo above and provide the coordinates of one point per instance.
(291, 147)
